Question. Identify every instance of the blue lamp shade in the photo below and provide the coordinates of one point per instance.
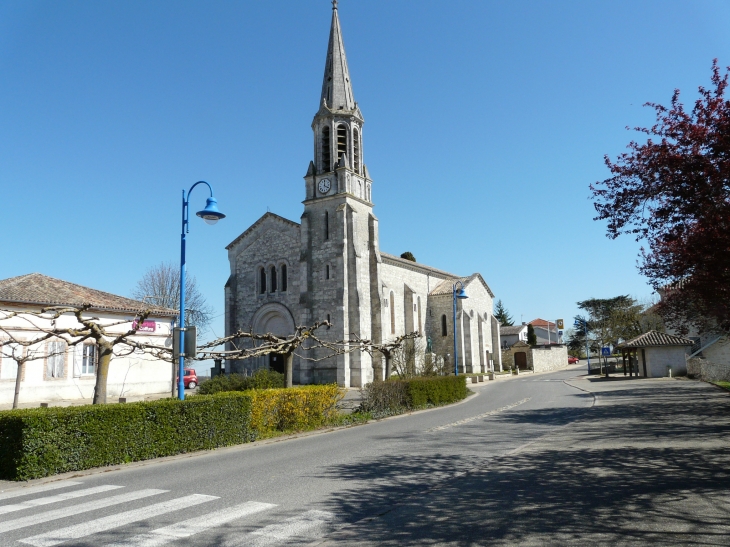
(461, 294)
(211, 214)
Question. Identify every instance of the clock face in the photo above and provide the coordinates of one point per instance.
(324, 186)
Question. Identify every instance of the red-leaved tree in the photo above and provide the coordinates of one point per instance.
(673, 192)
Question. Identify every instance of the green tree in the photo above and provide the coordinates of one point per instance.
(531, 336)
(502, 315)
(408, 255)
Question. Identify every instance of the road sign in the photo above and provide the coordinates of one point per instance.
(606, 352)
(560, 324)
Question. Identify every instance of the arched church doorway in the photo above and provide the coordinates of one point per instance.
(273, 318)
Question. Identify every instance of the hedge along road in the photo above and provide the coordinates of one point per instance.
(301, 489)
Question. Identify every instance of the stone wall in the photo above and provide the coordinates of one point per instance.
(549, 358)
(703, 369)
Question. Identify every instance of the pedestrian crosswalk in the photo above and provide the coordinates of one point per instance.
(80, 520)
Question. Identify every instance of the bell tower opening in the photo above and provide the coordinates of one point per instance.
(341, 140)
(326, 147)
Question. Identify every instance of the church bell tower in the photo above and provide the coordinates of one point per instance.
(338, 228)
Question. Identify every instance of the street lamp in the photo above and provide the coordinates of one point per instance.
(461, 295)
(210, 215)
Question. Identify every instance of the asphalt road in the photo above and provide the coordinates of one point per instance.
(513, 464)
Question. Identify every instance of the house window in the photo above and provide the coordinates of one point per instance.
(262, 280)
(444, 331)
(392, 313)
(283, 278)
(88, 362)
(326, 225)
(55, 360)
(326, 159)
(341, 141)
(8, 365)
(272, 276)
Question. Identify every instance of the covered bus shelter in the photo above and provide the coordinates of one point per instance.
(655, 355)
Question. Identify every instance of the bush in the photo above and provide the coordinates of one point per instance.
(397, 396)
(293, 409)
(261, 379)
(45, 441)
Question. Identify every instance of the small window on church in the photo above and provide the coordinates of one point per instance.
(444, 332)
(356, 149)
(341, 141)
(328, 320)
(392, 313)
(326, 147)
(262, 280)
(283, 278)
(326, 225)
(327, 271)
(272, 283)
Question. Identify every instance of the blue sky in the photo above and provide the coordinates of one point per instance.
(485, 124)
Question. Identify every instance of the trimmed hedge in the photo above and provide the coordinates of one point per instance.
(395, 396)
(39, 442)
(45, 441)
(261, 379)
(293, 409)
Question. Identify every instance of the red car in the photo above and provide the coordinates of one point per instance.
(190, 379)
(572, 360)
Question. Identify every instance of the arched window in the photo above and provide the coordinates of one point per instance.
(283, 278)
(356, 149)
(341, 141)
(444, 332)
(392, 313)
(326, 147)
(262, 280)
(272, 283)
(326, 225)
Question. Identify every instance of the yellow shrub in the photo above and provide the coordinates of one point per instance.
(293, 409)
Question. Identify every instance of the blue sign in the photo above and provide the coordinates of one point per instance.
(606, 352)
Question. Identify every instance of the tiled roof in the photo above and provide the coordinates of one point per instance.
(542, 323)
(39, 289)
(510, 330)
(654, 338)
(447, 285)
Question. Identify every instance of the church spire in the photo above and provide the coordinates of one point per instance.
(336, 85)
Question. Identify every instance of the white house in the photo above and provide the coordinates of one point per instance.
(59, 372)
(510, 335)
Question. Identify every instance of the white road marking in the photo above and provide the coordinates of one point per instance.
(190, 527)
(58, 497)
(479, 417)
(115, 521)
(47, 516)
(36, 489)
(310, 525)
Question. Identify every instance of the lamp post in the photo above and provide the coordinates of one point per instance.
(210, 215)
(461, 295)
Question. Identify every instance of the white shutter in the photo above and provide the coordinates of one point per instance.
(78, 359)
(49, 360)
(8, 365)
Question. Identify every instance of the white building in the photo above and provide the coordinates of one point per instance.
(59, 372)
(329, 265)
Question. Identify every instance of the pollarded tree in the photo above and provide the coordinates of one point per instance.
(502, 315)
(674, 194)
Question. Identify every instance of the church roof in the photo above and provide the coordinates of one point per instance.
(415, 266)
(336, 84)
(41, 290)
(258, 223)
(446, 286)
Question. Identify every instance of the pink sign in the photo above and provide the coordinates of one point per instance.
(146, 326)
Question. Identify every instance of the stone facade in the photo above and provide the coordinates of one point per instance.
(329, 266)
(538, 358)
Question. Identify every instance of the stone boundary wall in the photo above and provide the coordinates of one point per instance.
(703, 369)
(549, 358)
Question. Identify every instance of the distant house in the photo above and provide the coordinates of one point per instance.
(510, 335)
(546, 331)
(62, 372)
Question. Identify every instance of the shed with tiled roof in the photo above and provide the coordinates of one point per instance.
(655, 354)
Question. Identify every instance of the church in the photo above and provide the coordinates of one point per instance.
(329, 265)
